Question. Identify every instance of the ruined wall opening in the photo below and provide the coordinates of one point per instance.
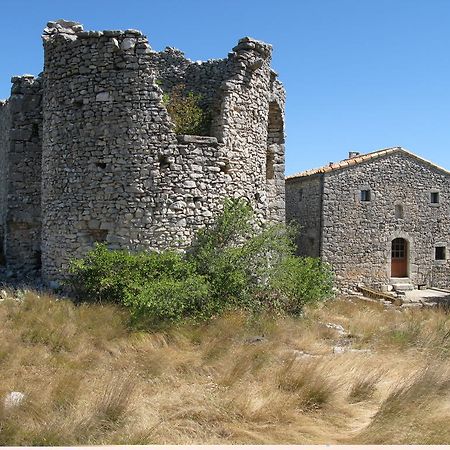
(35, 130)
(101, 165)
(225, 168)
(37, 260)
(275, 127)
(275, 138)
(164, 162)
(98, 236)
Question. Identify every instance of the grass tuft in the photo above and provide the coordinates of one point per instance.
(89, 379)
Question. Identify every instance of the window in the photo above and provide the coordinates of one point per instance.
(434, 197)
(300, 194)
(365, 195)
(439, 253)
(225, 168)
(399, 211)
(398, 248)
(164, 162)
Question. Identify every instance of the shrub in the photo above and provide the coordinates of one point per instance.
(111, 275)
(186, 113)
(232, 263)
(236, 259)
(301, 281)
(170, 300)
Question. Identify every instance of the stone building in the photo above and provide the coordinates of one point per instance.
(88, 151)
(381, 219)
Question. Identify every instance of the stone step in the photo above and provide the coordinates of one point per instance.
(402, 287)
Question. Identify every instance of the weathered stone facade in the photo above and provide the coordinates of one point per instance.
(20, 172)
(354, 230)
(108, 166)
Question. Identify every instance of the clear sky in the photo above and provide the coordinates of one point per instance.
(360, 74)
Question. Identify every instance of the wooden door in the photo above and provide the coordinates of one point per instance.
(399, 260)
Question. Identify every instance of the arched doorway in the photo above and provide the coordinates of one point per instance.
(399, 258)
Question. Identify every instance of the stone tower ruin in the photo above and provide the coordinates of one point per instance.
(88, 151)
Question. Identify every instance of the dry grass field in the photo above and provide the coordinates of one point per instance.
(384, 378)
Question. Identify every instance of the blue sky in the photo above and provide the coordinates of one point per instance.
(359, 74)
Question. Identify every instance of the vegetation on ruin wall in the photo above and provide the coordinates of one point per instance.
(186, 113)
(230, 265)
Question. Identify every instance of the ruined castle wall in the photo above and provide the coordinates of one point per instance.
(250, 124)
(113, 170)
(275, 153)
(357, 235)
(252, 118)
(22, 190)
(105, 140)
(304, 210)
(172, 69)
(5, 126)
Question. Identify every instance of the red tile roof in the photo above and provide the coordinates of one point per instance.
(363, 158)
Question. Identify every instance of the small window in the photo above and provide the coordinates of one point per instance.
(101, 165)
(164, 162)
(365, 195)
(300, 194)
(225, 168)
(439, 254)
(434, 197)
(399, 211)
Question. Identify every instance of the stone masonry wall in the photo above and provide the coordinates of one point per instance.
(21, 166)
(304, 210)
(238, 91)
(5, 125)
(172, 69)
(251, 96)
(113, 170)
(357, 235)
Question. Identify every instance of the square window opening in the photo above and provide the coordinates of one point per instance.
(365, 195)
(440, 253)
(434, 197)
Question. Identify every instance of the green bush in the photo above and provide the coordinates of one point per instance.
(300, 281)
(186, 113)
(236, 259)
(170, 300)
(231, 264)
(108, 275)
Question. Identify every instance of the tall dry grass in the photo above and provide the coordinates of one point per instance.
(90, 379)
